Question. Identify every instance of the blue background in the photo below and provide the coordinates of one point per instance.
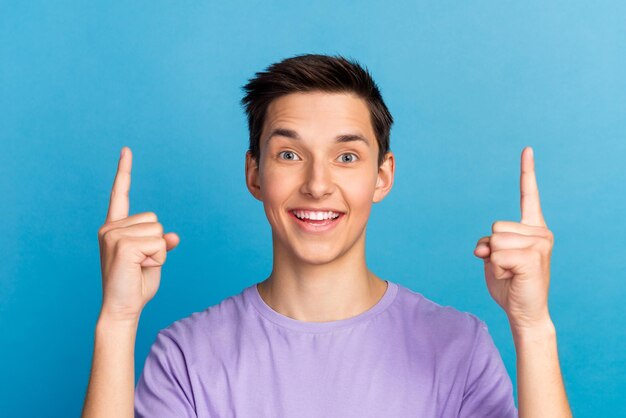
(469, 84)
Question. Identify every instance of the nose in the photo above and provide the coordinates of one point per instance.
(319, 181)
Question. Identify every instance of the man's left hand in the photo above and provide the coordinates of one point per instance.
(517, 257)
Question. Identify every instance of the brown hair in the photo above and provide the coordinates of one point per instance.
(313, 72)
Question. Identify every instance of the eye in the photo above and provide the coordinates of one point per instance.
(290, 153)
(349, 153)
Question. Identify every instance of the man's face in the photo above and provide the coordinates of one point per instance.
(303, 167)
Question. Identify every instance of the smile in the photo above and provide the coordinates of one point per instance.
(316, 221)
(315, 215)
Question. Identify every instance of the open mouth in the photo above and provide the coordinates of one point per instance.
(314, 221)
(315, 216)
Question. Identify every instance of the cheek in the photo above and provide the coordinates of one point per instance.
(364, 205)
(360, 193)
(272, 183)
(275, 190)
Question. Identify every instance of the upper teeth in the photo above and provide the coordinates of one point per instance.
(315, 215)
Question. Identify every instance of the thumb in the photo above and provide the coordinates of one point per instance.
(172, 240)
(483, 249)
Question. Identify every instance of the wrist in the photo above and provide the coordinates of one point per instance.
(537, 331)
(106, 321)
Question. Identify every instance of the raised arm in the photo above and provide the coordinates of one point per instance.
(517, 271)
(133, 250)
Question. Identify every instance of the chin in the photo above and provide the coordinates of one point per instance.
(318, 261)
(317, 255)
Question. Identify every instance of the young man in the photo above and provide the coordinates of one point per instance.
(323, 336)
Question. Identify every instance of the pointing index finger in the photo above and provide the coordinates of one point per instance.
(119, 203)
(529, 192)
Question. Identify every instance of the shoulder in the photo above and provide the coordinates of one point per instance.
(437, 320)
(210, 322)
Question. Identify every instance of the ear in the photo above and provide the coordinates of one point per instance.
(385, 177)
(252, 176)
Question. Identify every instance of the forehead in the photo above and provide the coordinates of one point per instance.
(320, 112)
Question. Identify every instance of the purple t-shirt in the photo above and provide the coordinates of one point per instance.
(404, 357)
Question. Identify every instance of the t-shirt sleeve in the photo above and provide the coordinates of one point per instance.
(164, 387)
(488, 391)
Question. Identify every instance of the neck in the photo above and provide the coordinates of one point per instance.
(325, 291)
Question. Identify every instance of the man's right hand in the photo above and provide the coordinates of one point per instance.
(132, 251)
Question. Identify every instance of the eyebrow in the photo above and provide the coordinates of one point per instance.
(291, 134)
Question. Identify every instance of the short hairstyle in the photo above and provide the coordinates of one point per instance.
(314, 72)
